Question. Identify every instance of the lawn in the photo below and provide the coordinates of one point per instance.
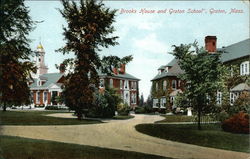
(123, 117)
(38, 118)
(23, 148)
(211, 135)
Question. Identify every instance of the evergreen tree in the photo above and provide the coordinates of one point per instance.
(202, 75)
(89, 29)
(141, 103)
(15, 67)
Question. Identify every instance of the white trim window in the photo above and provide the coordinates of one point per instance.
(174, 84)
(38, 97)
(135, 85)
(45, 97)
(179, 83)
(121, 84)
(133, 98)
(219, 98)
(163, 102)
(244, 68)
(155, 103)
(126, 86)
(111, 83)
(165, 85)
(101, 83)
(156, 86)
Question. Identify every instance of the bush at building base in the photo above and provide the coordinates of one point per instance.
(123, 109)
(238, 123)
(105, 104)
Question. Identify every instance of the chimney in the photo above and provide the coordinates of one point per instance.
(115, 71)
(210, 43)
(62, 68)
(123, 69)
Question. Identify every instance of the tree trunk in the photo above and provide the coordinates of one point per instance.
(4, 107)
(199, 117)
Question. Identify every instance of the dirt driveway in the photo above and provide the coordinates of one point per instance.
(120, 134)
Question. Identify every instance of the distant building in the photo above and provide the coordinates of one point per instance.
(166, 84)
(125, 84)
(45, 87)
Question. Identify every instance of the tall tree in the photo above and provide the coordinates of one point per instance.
(89, 28)
(202, 74)
(15, 67)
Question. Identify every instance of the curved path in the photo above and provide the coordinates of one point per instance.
(120, 134)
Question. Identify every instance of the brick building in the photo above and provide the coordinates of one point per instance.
(45, 87)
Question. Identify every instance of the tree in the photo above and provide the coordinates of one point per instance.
(202, 74)
(15, 67)
(141, 102)
(89, 29)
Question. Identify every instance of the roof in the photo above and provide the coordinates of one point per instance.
(123, 76)
(241, 87)
(174, 70)
(50, 78)
(235, 51)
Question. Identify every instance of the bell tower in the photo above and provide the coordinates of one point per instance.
(39, 60)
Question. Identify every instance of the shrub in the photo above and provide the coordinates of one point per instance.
(105, 104)
(238, 123)
(222, 116)
(148, 109)
(140, 110)
(123, 109)
(55, 108)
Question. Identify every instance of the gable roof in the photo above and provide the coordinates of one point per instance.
(123, 76)
(50, 78)
(241, 87)
(235, 51)
(174, 70)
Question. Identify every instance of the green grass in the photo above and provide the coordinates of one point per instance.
(183, 118)
(123, 117)
(23, 148)
(211, 135)
(38, 118)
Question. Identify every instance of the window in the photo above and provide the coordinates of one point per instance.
(219, 97)
(133, 96)
(174, 84)
(244, 68)
(155, 103)
(166, 69)
(135, 85)
(101, 83)
(231, 98)
(231, 71)
(121, 85)
(159, 72)
(126, 84)
(165, 85)
(179, 83)
(156, 86)
(38, 97)
(111, 83)
(45, 96)
(163, 102)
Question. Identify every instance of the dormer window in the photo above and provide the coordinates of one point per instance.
(244, 68)
(159, 72)
(166, 69)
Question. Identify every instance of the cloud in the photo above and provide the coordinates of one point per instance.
(151, 44)
(126, 24)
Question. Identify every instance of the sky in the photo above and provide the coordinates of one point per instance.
(147, 30)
